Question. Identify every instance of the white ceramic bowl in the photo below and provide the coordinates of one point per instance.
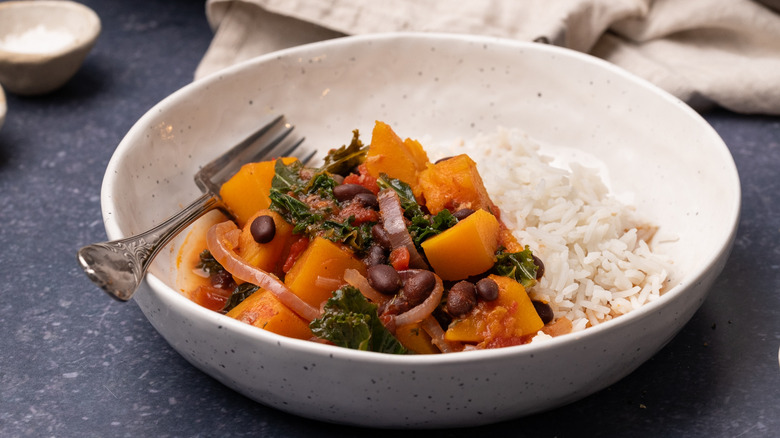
(3, 107)
(43, 43)
(442, 87)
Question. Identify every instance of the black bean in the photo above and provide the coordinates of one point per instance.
(367, 200)
(544, 311)
(338, 178)
(345, 192)
(384, 279)
(263, 229)
(461, 298)
(381, 237)
(442, 159)
(376, 256)
(487, 289)
(463, 213)
(418, 287)
(539, 267)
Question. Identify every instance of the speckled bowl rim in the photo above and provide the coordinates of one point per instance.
(689, 279)
(3, 107)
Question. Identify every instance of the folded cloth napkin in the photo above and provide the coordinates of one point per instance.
(706, 52)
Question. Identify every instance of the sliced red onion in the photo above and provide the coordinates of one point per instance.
(222, 238)
(354, 278)
(432, 327)
(393, 221)
(327, 282)
(424, 309)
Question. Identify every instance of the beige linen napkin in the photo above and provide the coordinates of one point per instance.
(723, 52)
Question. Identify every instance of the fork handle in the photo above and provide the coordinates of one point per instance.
(119, 266)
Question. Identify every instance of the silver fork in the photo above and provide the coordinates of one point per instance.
(119, 266)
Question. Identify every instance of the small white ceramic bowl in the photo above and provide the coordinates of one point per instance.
(43, 43)
(441, 87)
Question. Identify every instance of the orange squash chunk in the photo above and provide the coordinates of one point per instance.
(262, 309)
(247, 191)
(454, 184)
(266, 256)
(508, 240)
(414, 338)
(468, 248)
(320, 270)
(506, 321)
(401, 159)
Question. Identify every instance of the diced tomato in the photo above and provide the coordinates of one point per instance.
(359, 212)
(210, 297)
(363, 178)
(352, 178)
(399, 258)
(296, 249)
(500, 328)
(506, 342)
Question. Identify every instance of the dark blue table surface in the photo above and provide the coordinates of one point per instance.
(76, 363)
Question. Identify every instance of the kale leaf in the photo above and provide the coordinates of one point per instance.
(518, 266)
(287, 177)
(322, 184)
(405, 195)
(342, 160)
(350, 320)
(289, 187)
(422, 226)
(208, 263)
(294, 211)
(357, 237)
(239, 294)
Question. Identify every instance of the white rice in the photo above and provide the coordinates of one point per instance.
(596, 266)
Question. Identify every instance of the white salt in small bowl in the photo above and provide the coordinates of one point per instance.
(43, 43)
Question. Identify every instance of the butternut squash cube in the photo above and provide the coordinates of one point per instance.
(247, 191)
(262, 309)
(320, 270)
(414, 338)
(504, 321)
(468, 248)
(454, 184)
(266, 256)
(401, 159)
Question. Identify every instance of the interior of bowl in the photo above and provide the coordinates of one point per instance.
(657, 153)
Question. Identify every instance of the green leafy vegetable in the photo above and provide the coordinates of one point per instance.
(239, 294)
(422, 226)
(208, 263)
(349, 320)
(405, 195)
(342, 160)
(357, 237)
(287, 177)
(322, 184)
(289, 190)
(519, 266)
(294, 211)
